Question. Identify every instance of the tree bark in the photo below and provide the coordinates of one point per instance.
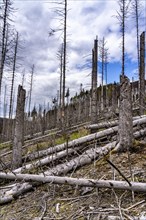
(125, 115)
(139, 120)
(74, 143)
(142, 74)
(86, 158)
(47, 160)
(112, 184)
(19, 127)
(82, 140)
(94, 83)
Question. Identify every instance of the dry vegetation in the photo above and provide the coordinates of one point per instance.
(50, 201)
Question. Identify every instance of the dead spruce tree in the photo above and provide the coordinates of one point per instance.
(103, 55)
(19, 127)
(136, 15)
(122, 16)
(94, 83)
(13, 75)
(125, 108)
(62, 12)
(125, 115)
(142, 74)
(6, 8)
(60, 57)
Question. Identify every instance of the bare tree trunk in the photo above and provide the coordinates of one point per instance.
(30, 94)
(112, 184)
(13, 76)
(123, 38)
(142, 74)
(94, 83)
(19, 127)
(59, 112)
(102, 74)
(3, 43)
(125, 115)
(64, 65)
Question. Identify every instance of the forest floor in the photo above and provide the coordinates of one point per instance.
(64, 202)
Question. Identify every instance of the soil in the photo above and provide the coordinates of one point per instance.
(64, 202)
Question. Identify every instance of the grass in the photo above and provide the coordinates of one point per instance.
(57, 140)
(5, 145)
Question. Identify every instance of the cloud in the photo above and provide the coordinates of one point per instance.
(34, 20)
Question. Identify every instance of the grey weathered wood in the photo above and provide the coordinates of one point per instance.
(139, 120)
(125, 115)
(142, 74)
(94, 83)
(135, 186)
(86, 158)
(19, 128)
(74, 143)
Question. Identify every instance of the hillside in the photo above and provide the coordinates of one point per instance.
(53, 201)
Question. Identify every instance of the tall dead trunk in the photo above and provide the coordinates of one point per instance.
(30, 94)
(94, 83)
(3, 42)
(125, 115)
(64, 66)
(142, 74)
(13, 76)
(123, 38)
(59, 112)
(19, 128)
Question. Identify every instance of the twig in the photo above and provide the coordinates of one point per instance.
(136, 204)
(118, 203)
(128, 217)
(119, 172)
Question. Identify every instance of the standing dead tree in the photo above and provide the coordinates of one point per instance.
(94, 83)
(7, 9)
(103, 57)
(30, 92)
(122, 16)
(64, 65)
(125, 115)
(142, 74)
(19, 128)
(62, 12)
(136, 15)
(125, 108)
(13, 75)
(60, 57)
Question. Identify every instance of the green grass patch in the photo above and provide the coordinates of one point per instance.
(5, 145)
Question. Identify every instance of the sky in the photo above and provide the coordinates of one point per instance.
(35, 19)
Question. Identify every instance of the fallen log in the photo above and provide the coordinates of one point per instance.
(136, 121)
(79, 141)
(61, 154)
(74, 143)
(86, 158)
(47, 160)
(112, 184)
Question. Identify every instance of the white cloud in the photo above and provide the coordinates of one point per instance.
(85, 20)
